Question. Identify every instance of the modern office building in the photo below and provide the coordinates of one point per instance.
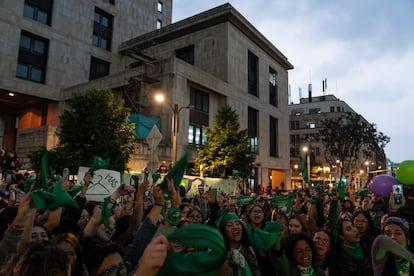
(305, 124)
(205, 61)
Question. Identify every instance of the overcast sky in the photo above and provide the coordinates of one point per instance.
(365, 49)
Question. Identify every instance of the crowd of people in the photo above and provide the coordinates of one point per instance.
(145, 230)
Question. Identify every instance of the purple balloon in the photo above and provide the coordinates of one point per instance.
(382, 185)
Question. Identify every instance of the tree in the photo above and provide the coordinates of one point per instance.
(350, 138)
(93, 126)
(226, 148)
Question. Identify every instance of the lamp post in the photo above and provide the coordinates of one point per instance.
(307, 151)
(174, 124)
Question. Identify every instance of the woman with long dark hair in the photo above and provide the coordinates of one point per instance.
(242, 256)
(349, 259)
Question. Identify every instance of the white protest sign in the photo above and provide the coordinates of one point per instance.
(104, 183)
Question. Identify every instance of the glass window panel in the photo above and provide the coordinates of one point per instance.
(25, 42)
(105, 21)
(42, 16)
(97, 17)
(104, 43)
(204, 137)
(197, 136)
(159, 24)
(190, 134)
(159, 7)
(36, 74)
(21, 71)
(28, 11)
(39, 47)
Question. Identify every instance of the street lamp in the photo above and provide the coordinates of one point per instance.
(307, 151)
(160, 98)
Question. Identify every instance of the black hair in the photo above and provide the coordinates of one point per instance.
(291, 241)
(94, 253)
(40, 259)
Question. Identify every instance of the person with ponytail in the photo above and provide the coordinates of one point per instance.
(349, 258)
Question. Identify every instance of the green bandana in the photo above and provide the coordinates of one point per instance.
(246, 200)
(173, 216)
(28, 183)
(106, 211)
(354, 251)
(341, 190)
(206, 259)
(42, 197)
(239, 261)
(224, 216)
(264, 239)
(98, 163)
(306, 271)
(402, 265)
(74, 191)
(281, 201)
(362, 192)
(176, 174)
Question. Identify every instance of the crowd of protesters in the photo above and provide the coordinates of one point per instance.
(146, 230)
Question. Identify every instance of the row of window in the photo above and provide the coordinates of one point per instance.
(32, 60)
(187, 54)
(308, 124)
(299, 112)
(33, 49)
(309, 137)
(199, 116)
(253, 79)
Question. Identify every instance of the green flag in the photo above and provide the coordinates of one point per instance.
(176, 174)
(281, 201)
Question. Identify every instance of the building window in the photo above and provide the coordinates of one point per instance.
(186, 54)
(159, 7)
(40, 11)
(294, 139)
(32, 60)
(102, 29)
(314, 110)
(294, 124)
(199, 114)
(310, 124)
(196, 135)
(338, 109)
(273, 137)
(252, 75)
(332, 108)
(99, 68)
(252, 129)
(159, 24)
(273, 87)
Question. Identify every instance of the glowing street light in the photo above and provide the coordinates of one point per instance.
(160, 98)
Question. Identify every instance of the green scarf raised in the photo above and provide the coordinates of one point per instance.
(176, 174)
(42, 197)
(207, 258)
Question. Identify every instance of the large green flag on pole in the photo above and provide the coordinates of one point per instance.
(304, 169)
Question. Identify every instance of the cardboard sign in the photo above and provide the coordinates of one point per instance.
(104, 183)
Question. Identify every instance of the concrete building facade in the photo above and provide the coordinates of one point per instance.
(47, 46)
(305, 122)
(206, 61)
